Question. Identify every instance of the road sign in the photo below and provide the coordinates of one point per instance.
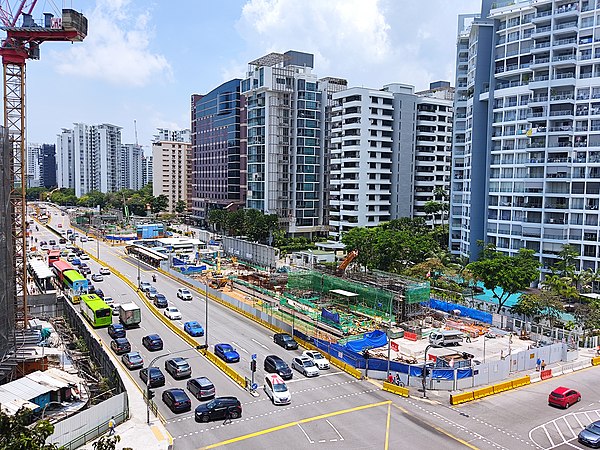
(254, 386)
(254, 356)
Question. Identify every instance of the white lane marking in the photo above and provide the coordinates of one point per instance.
(239, 346)
(295, 380)
(334, 429)
(309, 439)
(262, 345)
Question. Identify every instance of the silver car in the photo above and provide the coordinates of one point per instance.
(305, 366)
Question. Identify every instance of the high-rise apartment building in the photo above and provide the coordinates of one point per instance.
(285, 147)
(218, 156)
(170, 174)
(131, 167)
(34, 165)
(146, 170)
(89, 158)
(526, 166)
(390, 154)
(169, 135)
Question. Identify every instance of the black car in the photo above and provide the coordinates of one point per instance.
(219, 408)
(152, 342)
(99, 293)
(274, 364)
(78, 251)
(201, 388)
(285, 341)
(177, 400)
(62, 241)
(116, 330)
(120, 346)
(160, 301)
(91, 288)
(156, 377)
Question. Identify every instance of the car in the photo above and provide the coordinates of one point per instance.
(109, 301)
(60, 225)
(116, 308)
(116, 330)
(177, 400)
(193, 328)
(43, 243)
(172, 313)
(156, 377)
(69, 231)
(178, 368)
(563, 397)
(184, 294)
(144, 286)
(84, 270)
(133, 360)
(152, 342)
(590, 435)
(227, 353)
(120, 346)
(97, 277)
(51, 242)
(285, 340)
(99, 292)
(90, 238)
(84, 257)
(277, 390)
(83, 238)
(201, 388)
(76, 261)
(62, 241)
(218, 408)
(45, 248)
(305, 366)
(151, 292)
(104, 270)
(160, 301)
(78, 252)
(274, 364)
(318, 358)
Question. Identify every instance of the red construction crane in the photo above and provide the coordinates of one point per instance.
(22, 42)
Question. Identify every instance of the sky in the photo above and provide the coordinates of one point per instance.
(142, 60)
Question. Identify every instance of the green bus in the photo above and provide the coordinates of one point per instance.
(97, 313)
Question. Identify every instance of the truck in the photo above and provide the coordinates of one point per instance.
(130, 315)
(445, 337)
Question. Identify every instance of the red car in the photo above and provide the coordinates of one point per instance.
(563, 397)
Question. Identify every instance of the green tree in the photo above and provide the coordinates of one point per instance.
(16, 433)
(64, 196)
(536, 306)
(36, 193)
(180, 207)
(432, 208)
(505, 275)
(160, 203)
(217, 218)
(236, 223)
(587, 315)
(567, 258)
(107, 443)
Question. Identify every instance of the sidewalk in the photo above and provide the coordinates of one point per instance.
(135, 433)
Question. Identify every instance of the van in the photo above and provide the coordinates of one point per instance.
(446, 337)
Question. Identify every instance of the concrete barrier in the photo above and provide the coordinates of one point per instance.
(398, 390)
(595, 360)
(501, 387)
(483, 392)
(546, 374)
(456, 399)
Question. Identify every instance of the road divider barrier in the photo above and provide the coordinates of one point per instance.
(398, 390)
(546, 374)
(464, 397)
(456, 399)
(596, 360)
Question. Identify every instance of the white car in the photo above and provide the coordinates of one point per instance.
(305, 366)
(318, 358)
(116, 307)
(84, 257)
(184, 294)
(276, 389)
(104, 271)
(172, 313)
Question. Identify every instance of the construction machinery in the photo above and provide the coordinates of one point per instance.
(22, 42)
(346, 262)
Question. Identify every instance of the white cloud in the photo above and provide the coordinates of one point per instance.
(369, 42)
(117, 48)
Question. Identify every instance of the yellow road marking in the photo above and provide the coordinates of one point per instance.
(387, 427)
(441, 430)
(297, 422)
(159, 436)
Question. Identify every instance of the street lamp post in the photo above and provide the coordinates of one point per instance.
(97, 246)
(389, 339)
(206, 312)
(424, 374)
(138, 271)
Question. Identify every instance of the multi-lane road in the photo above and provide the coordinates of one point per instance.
(333, 410)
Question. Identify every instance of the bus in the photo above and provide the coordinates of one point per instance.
(59, 267)
(53, 256)
(96, 312)
(77, 283)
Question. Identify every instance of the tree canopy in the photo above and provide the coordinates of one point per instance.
(16, 433)
(252, 223)
(505, 275)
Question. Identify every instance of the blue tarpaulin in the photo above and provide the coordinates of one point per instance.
(373, 339)
(192, 269)
(464, 311)
(326, 314)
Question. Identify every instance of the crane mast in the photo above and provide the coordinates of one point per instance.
(22, 43)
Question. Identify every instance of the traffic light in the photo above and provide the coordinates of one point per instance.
(151, 394)
(253, 365)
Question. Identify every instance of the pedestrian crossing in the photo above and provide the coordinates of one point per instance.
(563, 430)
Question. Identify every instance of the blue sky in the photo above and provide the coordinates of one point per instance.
(143, 59)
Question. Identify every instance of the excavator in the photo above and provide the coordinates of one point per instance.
(346, 262)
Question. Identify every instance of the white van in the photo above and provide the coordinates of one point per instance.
(446, 337)
(277, 390)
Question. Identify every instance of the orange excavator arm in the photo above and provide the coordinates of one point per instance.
(347, 260)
